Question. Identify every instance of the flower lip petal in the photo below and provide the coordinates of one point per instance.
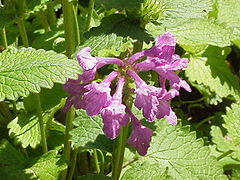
(85, 59)
(140, 136)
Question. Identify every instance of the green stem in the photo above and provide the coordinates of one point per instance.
(44, 21)
(194, 101)
(23, 32)
(203, 121)
(51, 13)
(224, 154)
(90, 11)
(102, 162)
(83, 163)
(41, 123)
(78, 40)
(4, 38)
(68, 20)
(67, 143)
(72, 164)
(95, 157)
(118, 153)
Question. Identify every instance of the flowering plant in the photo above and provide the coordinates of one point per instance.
(96, 98)
(119, 108)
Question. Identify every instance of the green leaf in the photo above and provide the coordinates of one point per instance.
(226, 162)
(228, 13)
(48, 97)
(144, 170)
(35, 5)
(212, 71)
(48, 166)
(177, 150)
(118, 4)
(217, 138)
(88, 133)
(103, 42)
(231, 140)
(194, 33)
(27, 70)
(12, 162)
(114, 33)
(25, 128)
(178, 10)
(94, 177)
(46, 40)
(56, 135)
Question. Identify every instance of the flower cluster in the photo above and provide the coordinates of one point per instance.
(96, 98)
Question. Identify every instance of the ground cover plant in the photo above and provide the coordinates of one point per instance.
(116, 89)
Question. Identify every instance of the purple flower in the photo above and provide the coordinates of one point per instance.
(161, 58)
(146, 98)
(154, 102)
(164, 109)
(98, 95)
(163, 49)
(140, 136)
(90, 64)
(114, 115)
(76, 91)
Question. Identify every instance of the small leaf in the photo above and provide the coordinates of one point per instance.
(212, 71)
(25, 128)
(27, 70)
(48, 97)
(194, 34)
(119, 4)
(46, 40)
(217, 138)
(232, 124)
(48, 166)
(12, 162)
(175, 10)
(88, 133)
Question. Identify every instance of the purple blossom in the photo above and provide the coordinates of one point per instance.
(154, 102)
(114, 115)
(146, 98)
(90, 64)
(98, 95)
(161, 58)
(140, 136)
(76, 91)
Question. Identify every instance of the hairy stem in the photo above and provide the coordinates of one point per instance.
(68, 20)
(90, 11)
(95, 157)
(204, 120)
(23, 32)
(4, 37)
(51, 13)
(72, 164)
(76, 25)
(41, 123)
(67, 143)
(44, 21)
(118, 153)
